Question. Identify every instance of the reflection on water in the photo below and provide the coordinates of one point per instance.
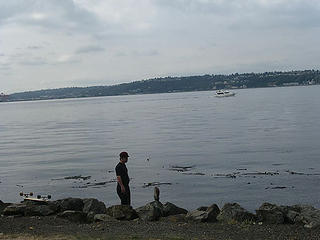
(193, 141)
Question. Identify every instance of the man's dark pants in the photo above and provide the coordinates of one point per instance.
(125, 197)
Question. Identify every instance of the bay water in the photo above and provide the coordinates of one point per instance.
(261, 145)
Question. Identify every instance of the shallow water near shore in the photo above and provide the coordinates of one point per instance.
(261, 145)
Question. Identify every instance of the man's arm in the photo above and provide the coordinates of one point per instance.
(123, 190)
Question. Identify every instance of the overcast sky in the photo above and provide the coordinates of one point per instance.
(65, 43)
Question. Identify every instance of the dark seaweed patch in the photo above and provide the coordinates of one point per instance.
(152, 184)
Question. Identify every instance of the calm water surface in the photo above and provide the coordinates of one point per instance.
(272, 130)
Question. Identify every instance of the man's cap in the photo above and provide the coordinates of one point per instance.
(124, 154)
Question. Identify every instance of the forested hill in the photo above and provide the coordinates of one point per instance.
(178, 84)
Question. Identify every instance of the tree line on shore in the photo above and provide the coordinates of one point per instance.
(177, 84)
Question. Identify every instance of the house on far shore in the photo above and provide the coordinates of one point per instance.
(291, 84)
(3, 97)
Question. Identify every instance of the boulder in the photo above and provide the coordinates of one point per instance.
(270, 213)
(3, 206)
(151, 212)
(234, 212)
(291, 214)
(171, 209)
(292, 217)
(30, 208)
(310, 216)
(39, 210)
(15, 209)
(305, 214)
(197, 216)
(122, 212)
(73, 216)
(93, 205)
(90, 217)
(73, 204)
(103, 218)
(213, 212)
(202, 208)
(209, 215)
(177, 218)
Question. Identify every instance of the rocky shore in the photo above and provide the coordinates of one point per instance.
(75, 218)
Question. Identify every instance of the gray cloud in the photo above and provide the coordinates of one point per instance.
(145, 53)
(34, 47)
(34, 62)
(248, 14)
(54, 14)
(90, 49)
(5, 66)
(60, 38)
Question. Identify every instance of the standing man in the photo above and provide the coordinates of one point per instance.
(123, 189)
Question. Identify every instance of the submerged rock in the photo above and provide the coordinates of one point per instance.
(180, 168)
(152, 184)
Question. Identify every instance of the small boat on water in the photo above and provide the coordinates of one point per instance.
(224, 93)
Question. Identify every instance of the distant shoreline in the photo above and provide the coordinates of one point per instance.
(175, 84)
(138, 94)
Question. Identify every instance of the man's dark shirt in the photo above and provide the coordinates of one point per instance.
(122, 171)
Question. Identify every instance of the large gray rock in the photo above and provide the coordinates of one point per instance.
(3, 206)
(151, 212)
(171, 209)
(209, 215)
(291, 214)
(234, 212)
(39, 210)
(93, 205)
(270, 213)
(304, 214)
(103, 218)
(197, 216)
(73, 204)
(213, 212)
(310, 216)
(74, 216)
(176, 218)
(30, 208)
(202, 208)
(15, 209)
(122, 212)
